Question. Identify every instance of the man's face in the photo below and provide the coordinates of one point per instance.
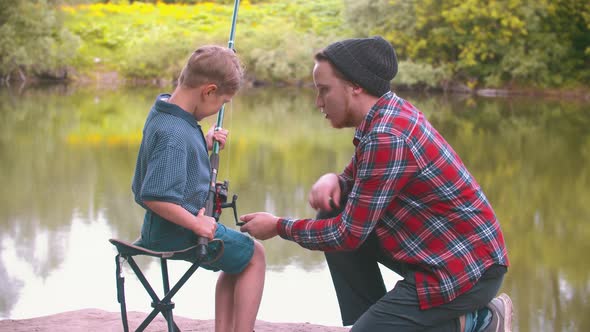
(333, 95)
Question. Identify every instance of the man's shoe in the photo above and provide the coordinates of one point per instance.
(501, 308)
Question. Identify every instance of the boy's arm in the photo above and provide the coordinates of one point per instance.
(200, 224)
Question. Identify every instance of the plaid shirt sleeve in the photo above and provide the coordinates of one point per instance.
(384, 164)
(346, 179)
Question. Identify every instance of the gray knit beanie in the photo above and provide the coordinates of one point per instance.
(368, 62)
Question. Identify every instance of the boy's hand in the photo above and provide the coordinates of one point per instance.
(217, 133)
(325, 193)
(204, 226)
(260, 225)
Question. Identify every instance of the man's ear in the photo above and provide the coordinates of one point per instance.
(356, 89)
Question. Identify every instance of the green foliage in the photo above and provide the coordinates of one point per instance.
(161, 57)
(32, 39)
(275, 40)
(280, 39)
(521, 42)
(495, 42)
(279, 53)
(423, 75)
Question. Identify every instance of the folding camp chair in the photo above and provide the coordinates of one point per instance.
(126, 252)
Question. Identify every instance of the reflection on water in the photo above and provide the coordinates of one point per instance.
(67, 157)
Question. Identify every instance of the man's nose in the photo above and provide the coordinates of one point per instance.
(319, 103)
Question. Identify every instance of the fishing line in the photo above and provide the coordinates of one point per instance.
(228, 146)
(213, 204)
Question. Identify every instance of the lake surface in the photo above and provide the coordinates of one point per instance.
(67, 158)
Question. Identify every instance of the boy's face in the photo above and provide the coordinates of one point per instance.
(211, 103)
(333, 95)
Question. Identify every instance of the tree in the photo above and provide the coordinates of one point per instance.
(522, 41)
(33, 40)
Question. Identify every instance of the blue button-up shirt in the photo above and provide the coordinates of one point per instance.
(173, 161)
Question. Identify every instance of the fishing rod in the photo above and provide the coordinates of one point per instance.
(217, 196)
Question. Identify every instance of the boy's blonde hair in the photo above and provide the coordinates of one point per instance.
(213, 64)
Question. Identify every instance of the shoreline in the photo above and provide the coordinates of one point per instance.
(89, 320)
(114, 80)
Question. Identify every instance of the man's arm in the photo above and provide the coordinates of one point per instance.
(346, 180)
(327, 192)
(384, 167)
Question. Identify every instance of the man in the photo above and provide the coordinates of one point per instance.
(405, 200)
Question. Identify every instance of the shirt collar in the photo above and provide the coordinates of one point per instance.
(367, 123)
(162, 105)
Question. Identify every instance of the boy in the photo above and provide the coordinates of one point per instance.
(172, 179)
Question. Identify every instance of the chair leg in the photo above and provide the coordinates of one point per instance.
(169, 305)
(164, 305)
(155, 300)
(121, 291)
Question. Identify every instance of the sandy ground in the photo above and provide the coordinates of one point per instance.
(90, 320)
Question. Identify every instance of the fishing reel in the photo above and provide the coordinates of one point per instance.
(221, 190)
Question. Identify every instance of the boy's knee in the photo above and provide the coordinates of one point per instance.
(259, 255)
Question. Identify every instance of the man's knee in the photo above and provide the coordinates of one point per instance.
(339, 258)
(374, 321)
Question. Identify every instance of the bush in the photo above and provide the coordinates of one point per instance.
(161, 56)
(279, 54)
(33, 40)
(421, 75)
(275, 40)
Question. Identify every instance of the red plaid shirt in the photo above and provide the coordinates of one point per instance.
(408, 186)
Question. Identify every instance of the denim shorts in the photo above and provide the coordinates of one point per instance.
(159, 234)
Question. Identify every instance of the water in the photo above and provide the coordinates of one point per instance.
(67, 157)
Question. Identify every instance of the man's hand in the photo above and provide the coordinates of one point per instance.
(260, 225)
(204, 226)
(217, 133)
(325, 193)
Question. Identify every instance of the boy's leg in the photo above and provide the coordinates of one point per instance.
(239, 287)
(238, 296)
(224, 302)
(248, 291)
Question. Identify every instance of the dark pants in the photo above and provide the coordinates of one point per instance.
(365, 302)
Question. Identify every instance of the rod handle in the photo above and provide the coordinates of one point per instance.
(202, 243)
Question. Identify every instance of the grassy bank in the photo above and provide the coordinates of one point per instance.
(146, 41)
(276, 41)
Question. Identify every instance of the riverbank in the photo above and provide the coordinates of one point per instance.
(114, 80)
(91, 320)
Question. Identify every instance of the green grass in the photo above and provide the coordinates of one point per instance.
(276, 41)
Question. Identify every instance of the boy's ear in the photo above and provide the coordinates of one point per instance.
(209, 89)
